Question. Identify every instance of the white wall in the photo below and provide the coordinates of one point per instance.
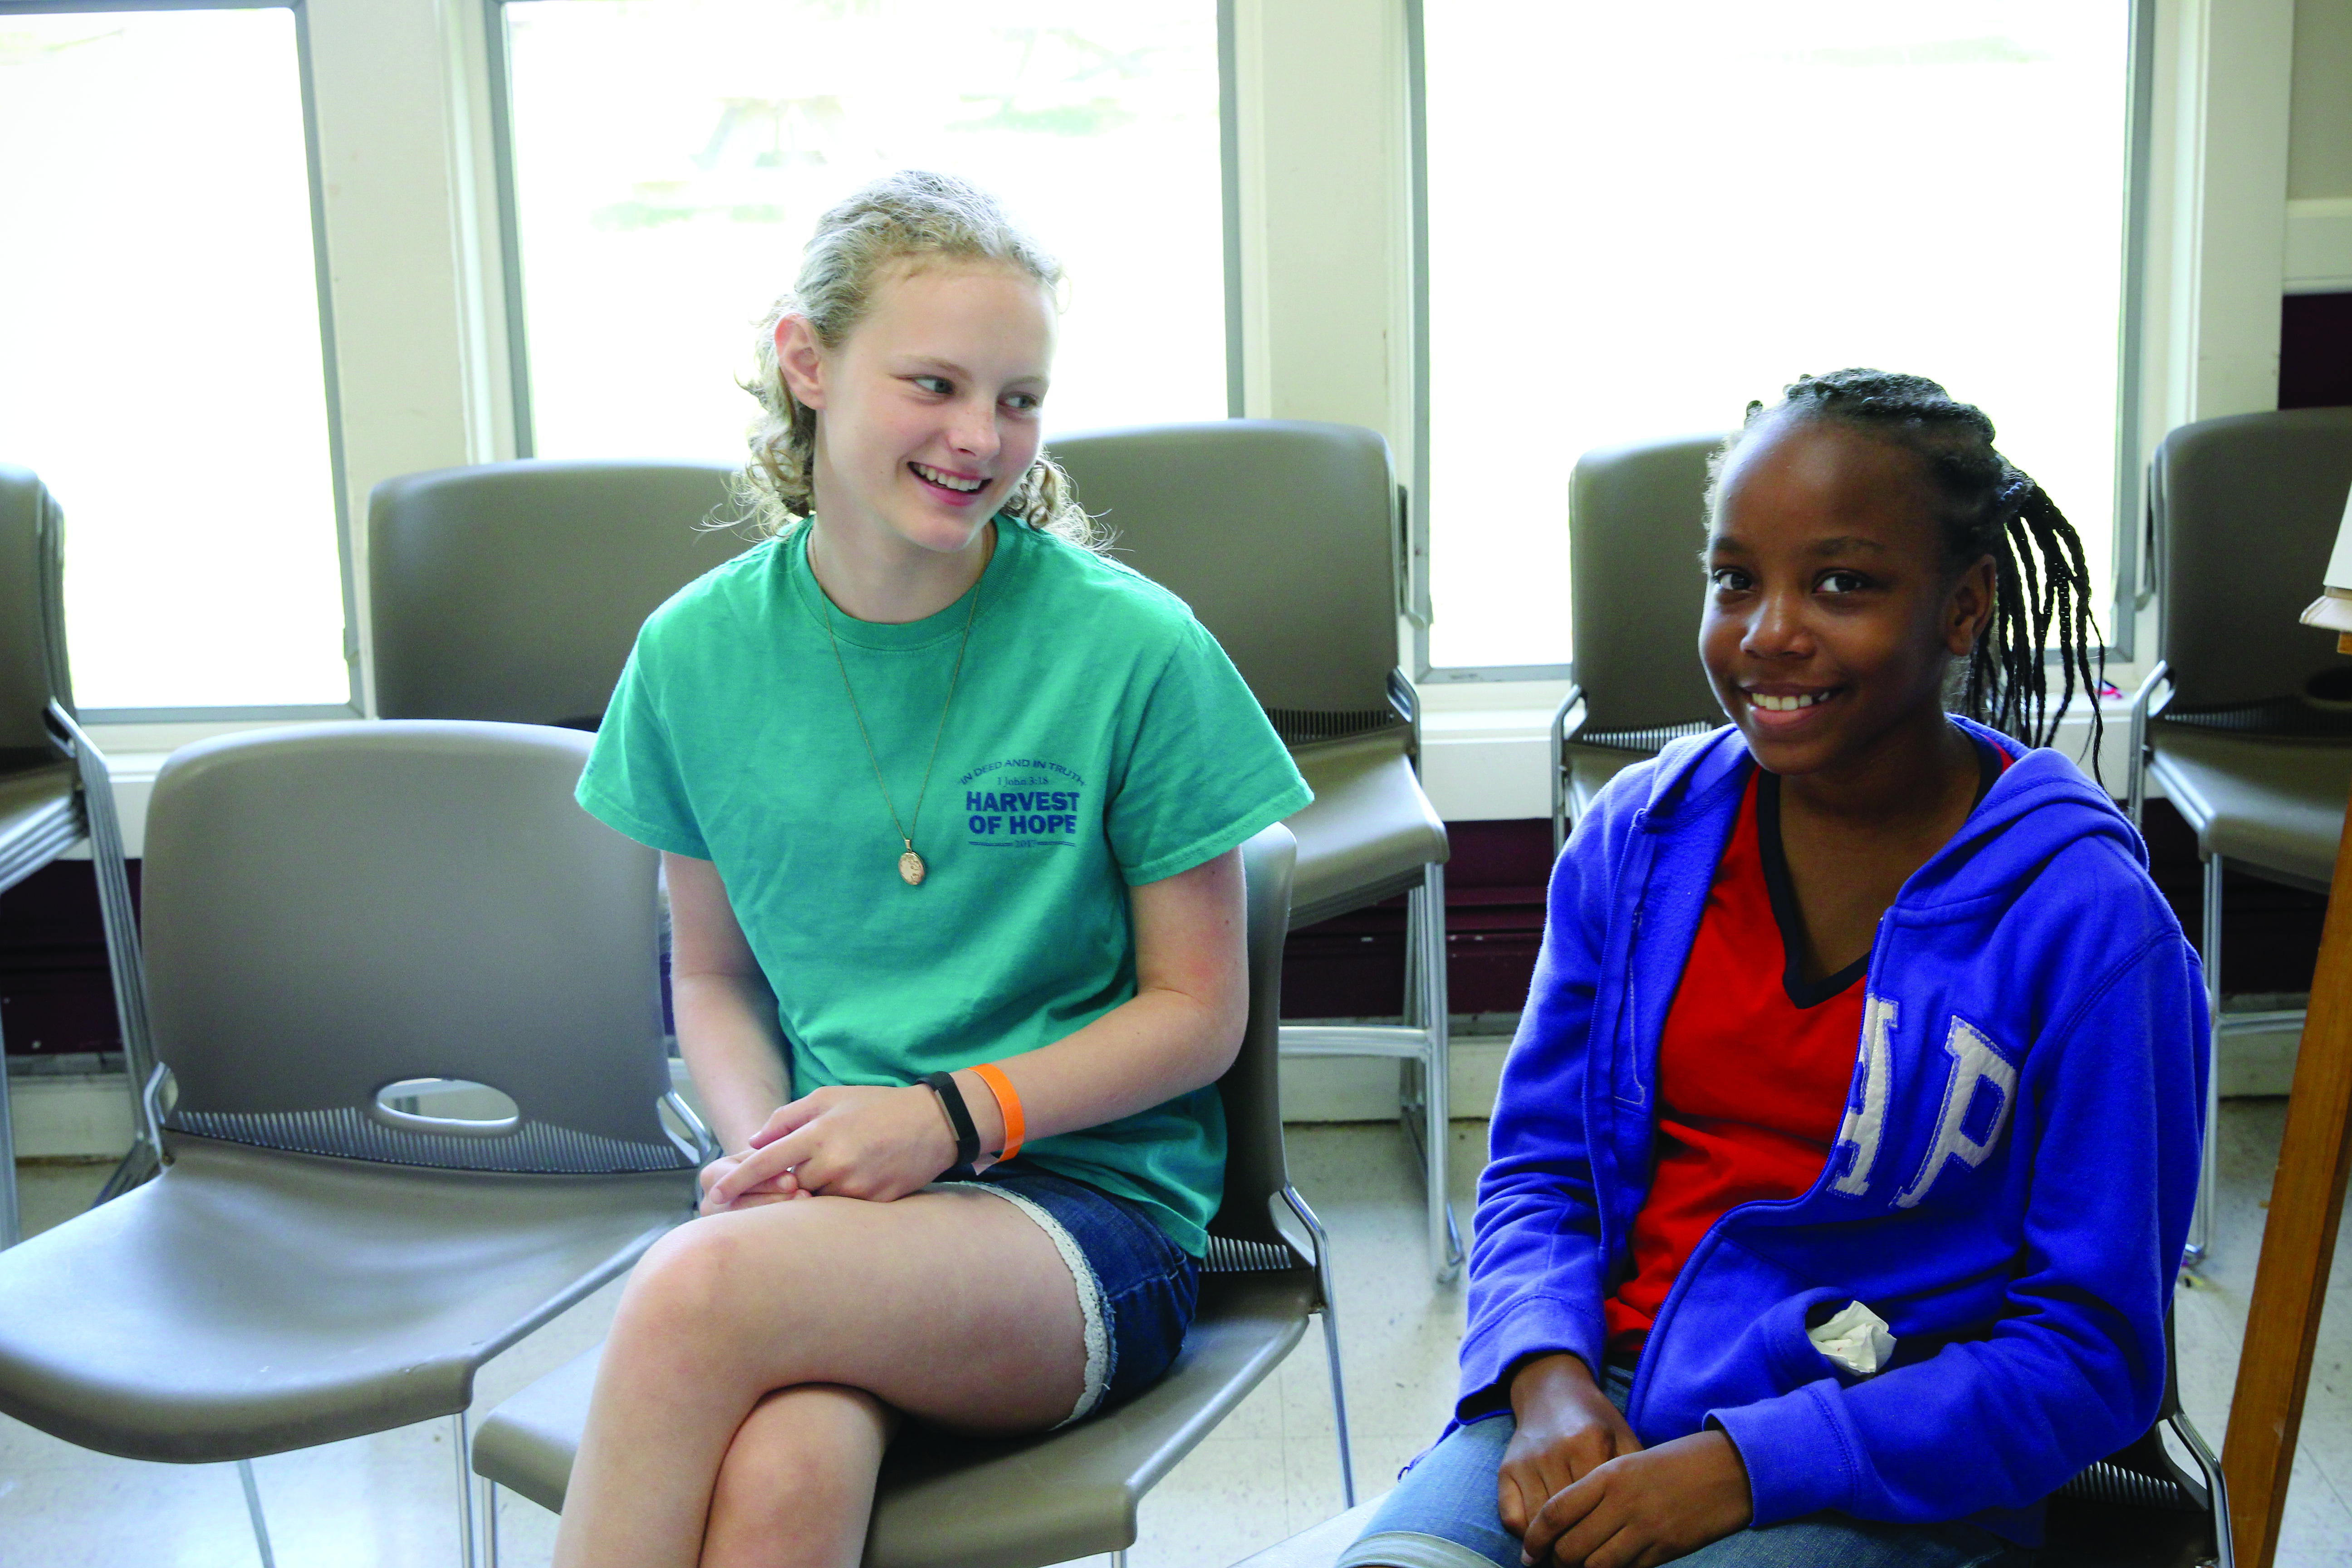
(2320, 141)
(2319, 151)
(1326, 228)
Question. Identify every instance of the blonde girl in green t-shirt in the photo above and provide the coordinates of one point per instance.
(762, 1355)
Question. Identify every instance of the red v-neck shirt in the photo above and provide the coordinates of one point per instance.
(1753, 1067)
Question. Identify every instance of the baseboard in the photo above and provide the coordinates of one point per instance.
(70, 1116)
(2256, 1062)
(1364, 1089)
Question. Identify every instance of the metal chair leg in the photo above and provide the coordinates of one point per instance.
(2201, 1223)
(1330, 1338)
(1426, 1001)
(490, 1524)
(465, 1446)
(11, 1221)
(1339, 1406)
(253, 1507)
(126, 962)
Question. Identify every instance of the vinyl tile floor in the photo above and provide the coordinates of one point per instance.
(1270, 1471)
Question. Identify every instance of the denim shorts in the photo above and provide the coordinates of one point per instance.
(1445, 1514)
(1137, 1288)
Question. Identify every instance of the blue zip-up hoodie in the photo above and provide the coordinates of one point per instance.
(2009, 1189)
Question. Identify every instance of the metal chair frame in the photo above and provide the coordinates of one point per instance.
(2148, 705)
(1420, 1046)
(95, 823)
(125, 960)
(2279, 473)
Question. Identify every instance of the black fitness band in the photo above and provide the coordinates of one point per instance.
(967, 1136)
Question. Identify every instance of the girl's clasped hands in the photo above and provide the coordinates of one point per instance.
(841, 1141)
(1579, 1489)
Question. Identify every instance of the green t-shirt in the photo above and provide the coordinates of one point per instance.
(1099, 739)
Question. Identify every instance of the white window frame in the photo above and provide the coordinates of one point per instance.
(103, 721)
(499, 79)
(2129, 589)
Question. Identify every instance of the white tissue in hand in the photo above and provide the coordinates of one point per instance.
(1856, 1339)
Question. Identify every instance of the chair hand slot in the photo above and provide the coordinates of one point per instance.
(461, 1108)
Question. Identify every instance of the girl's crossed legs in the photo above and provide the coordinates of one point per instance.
(759, 1358)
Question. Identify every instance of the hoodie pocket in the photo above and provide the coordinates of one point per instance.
(1780, 1338)
(1737, 1335)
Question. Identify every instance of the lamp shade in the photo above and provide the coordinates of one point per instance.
(2333, 608)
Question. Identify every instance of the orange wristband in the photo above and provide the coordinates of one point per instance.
(1008, 1102)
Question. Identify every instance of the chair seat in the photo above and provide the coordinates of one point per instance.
(1589, 770)
(1368, 832)
(2274, 806)
(246, 1302)
(946, 1501)
(39, 819)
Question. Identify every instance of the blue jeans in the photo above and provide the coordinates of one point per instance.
(1445, 1514)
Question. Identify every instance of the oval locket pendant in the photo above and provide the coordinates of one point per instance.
(910, 867)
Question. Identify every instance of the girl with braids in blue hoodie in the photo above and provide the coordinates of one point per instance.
(1844, 1157)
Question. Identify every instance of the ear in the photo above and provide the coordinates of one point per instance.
(1969, 611)
(800, 359)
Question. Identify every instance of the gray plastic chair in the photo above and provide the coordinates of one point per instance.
(1284, 538)
(54, 788)
(333, 913)
(959, 1502)
(1637, 521)
(514, 590)
(2244, 511)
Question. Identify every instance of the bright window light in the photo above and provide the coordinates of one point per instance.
(671, 158)
(159, 322)
(1642, 217)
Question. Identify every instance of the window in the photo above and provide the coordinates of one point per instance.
(1639, 217)
(160, 322)
(668, 159)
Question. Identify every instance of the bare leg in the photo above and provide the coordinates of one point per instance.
(805, 1458)
(953, 1306)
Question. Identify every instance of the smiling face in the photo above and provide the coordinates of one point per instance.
(927, 412)
(1830, 613)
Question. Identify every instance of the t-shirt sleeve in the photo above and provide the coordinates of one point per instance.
(1204, 771)
(632, 783)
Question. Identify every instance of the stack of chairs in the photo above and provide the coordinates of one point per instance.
(55, 793)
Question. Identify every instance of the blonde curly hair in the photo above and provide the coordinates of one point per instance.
(911, 214)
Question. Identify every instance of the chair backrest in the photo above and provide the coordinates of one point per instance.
(32, 614)
(2246, 510)
(513, 591)
(335, 908)
(1256, 1168)
(1637, 521)
(1282, 535)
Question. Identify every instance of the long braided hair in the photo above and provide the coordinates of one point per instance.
(1985, 505)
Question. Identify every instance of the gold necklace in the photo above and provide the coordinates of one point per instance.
(910, 865)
